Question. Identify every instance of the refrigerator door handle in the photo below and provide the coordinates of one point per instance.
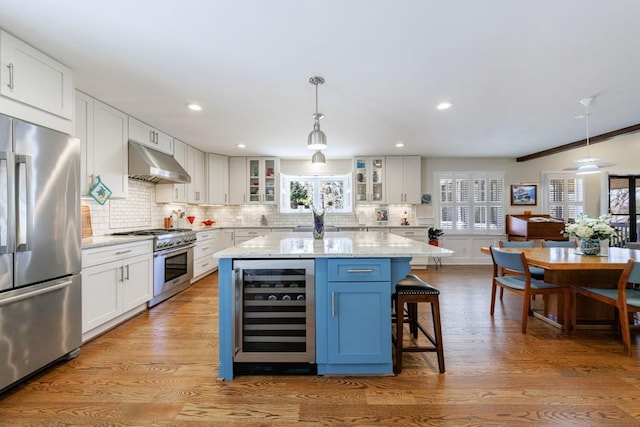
(27, 295)
(25, 210)
(7, 226)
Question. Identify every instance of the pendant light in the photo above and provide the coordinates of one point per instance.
(589, 164)
(317, 140)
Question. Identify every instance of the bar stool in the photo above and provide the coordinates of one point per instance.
(410, 291)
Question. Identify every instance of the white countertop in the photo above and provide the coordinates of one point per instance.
(96, 241)
(334, 245)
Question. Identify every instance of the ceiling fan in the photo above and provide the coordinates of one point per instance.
(588, 164)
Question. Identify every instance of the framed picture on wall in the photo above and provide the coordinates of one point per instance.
(524, 194)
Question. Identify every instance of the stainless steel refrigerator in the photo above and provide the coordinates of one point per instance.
(40, 248)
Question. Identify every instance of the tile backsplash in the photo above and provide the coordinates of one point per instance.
(140, 210)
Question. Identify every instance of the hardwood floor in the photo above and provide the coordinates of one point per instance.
(160, 368)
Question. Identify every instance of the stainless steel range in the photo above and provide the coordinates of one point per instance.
(172, 260)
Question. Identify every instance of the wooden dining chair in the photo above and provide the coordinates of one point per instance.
(559, 244)
(623, 297)
(510, 272)
(536, 272)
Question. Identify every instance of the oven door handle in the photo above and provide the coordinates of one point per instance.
(173, 251)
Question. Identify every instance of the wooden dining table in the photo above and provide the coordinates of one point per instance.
(567, 266)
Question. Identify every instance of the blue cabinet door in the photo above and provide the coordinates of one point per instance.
(359, 330)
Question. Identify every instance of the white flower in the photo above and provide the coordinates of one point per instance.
(590, 228)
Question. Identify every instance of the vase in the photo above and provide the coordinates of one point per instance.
(318, 222)
(590, 246)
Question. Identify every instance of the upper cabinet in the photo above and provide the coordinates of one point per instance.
(403, 181)
(262, 174)
(238, 180)
(217, 179)
(34, 86)
(149, 136)
(370, 179)
(102, 131)
(195, 169)
(174, 193)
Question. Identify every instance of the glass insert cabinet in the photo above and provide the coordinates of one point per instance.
(262, 173)
(369, 179)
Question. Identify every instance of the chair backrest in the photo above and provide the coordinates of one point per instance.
(512, 261)
(515, 244)
(630, 274)
(559, 243)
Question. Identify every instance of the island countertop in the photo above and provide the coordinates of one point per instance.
(334, 245)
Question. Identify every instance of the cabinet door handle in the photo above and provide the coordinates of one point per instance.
(205, 248)
(121, 273)
(127, 267)
(363, 270)
(10, 67)
(123, 252)
(333, 304)
(176, 190)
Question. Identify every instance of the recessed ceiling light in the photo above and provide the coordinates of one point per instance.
(444, 105)
(194, 107)
(241, 146)
(399, 144)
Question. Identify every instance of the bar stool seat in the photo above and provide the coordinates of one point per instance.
(411, 291)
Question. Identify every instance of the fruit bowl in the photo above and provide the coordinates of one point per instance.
(191, 219)
(208, 222)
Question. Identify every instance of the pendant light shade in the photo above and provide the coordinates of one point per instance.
(318, 158)
(317, 140)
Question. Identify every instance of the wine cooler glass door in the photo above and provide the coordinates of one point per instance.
(275, 311)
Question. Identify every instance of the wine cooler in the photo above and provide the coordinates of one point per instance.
(274, 311)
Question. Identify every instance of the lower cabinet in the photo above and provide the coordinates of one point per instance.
(414, 233)
(203, 261)
(117, 282)
(354, 317)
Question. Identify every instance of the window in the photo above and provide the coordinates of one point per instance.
(302, 190)
(564, 195)
(472, 202)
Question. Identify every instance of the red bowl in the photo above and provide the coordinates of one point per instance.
(208, 222)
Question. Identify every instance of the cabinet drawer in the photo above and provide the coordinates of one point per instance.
(203, 249)
(101, 255)
(419, 234)
(359, 270)
(202, 265)
(204, 235)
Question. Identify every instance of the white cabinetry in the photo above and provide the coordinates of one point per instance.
(217, 179)
(203, 262)
(414, 233)
(244, 234)
(174, 193)
(403, 179)
(149, 136)
(102, 131)
(222, 239)
(370, 179)
(117, 282)
(262, 180)
(238, 180)
(195, 169)
(34, 86)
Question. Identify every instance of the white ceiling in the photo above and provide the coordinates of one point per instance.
(514, 69)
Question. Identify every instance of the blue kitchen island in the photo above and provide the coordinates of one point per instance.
(353, 276)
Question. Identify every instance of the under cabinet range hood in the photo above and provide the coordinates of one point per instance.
(147, 164)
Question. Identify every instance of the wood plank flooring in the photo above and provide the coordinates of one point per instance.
(160, 368)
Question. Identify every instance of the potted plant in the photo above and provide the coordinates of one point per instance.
(434, 235)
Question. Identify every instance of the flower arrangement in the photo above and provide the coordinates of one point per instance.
(590, 228)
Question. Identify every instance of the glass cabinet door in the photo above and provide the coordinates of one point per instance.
(369, 180)
(255, 186)
(269, 180)
(262, 179)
